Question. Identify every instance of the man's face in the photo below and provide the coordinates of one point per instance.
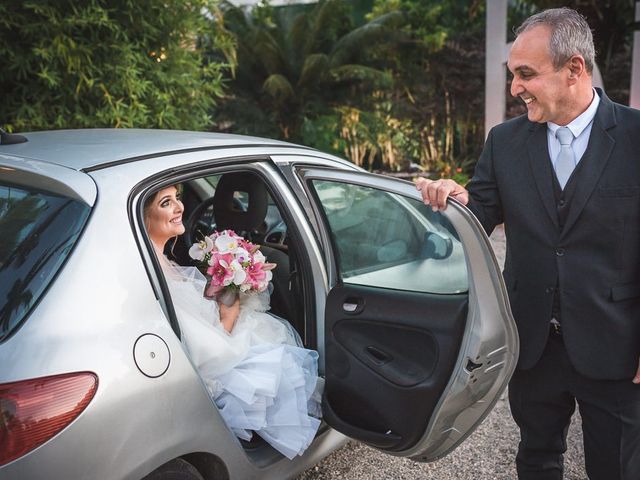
(543, 89)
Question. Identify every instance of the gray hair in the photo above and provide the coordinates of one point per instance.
(570, 35)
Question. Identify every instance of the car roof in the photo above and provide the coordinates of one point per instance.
(93, 148)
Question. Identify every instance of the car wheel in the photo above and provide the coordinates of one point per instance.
(177, 469)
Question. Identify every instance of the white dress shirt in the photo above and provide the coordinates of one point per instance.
(581, 129)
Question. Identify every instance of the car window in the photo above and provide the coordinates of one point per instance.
(271, 230)
(243, 202)
(387, 240)
(39, 230)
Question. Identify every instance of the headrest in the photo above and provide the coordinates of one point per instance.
(228, 213)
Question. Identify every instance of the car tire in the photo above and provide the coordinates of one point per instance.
(177, 469)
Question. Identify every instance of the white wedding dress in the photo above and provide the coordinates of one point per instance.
(259, 375)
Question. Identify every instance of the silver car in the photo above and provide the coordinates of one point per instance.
(406, 307)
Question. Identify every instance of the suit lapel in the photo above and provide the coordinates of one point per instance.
(542, 172)
(595, 159)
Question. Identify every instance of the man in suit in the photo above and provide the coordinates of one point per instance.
(570, 202)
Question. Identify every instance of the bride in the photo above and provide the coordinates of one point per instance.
(253, 364)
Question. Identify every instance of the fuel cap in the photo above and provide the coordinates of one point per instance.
(151, 355)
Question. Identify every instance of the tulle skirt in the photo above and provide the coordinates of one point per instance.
(259, 376)
(274, 392)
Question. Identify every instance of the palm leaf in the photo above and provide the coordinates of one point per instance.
(235, 19)
(361, 73)
(278, 87)
(267, 50)
(296, 39)
(382, 30)
(324, 17)
(393, 20)
(315, 68)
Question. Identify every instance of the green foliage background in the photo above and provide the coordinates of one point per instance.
(389, 84)
(294, 70)
(108, 63)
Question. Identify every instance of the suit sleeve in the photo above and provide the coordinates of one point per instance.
(484, 196)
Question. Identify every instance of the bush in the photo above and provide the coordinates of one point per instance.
(107, 63)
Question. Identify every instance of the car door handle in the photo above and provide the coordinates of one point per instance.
(353, 305)
(380, 357)
(349, 307)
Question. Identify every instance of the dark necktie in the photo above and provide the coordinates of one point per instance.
(566, 160)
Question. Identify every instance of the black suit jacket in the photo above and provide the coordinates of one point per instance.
(594, 258)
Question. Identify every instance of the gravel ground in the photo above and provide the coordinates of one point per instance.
(488, 454)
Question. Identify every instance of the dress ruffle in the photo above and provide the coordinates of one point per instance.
(259, 376)
(269, 392)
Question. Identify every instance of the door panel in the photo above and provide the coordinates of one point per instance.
(383, 361)
(419, 338)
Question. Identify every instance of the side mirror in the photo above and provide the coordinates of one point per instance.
(436, 246)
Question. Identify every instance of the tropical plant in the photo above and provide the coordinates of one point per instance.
(109, 63)
(294, 70)
(439, 83)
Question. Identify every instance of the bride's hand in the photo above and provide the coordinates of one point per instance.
(229, 315)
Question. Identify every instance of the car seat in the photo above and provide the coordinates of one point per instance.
(231, 214)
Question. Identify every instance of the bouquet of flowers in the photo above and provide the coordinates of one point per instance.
(233, 264)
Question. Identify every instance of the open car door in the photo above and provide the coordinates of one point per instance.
(419, 340)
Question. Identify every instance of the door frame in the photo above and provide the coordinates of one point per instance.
(490, 347)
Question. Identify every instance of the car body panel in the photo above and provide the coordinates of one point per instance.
(489, 340)
(99, 147)
(65, 340)
(135, 422)
(54, 178)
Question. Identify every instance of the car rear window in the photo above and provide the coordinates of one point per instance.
(38, 229)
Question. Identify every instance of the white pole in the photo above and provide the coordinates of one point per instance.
(634, 94)
(495, 73)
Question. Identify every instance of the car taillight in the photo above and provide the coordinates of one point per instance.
(32, 411)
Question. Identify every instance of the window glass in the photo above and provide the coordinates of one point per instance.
(387, 240)
(38, 231)
(206, 222)
(242, 203)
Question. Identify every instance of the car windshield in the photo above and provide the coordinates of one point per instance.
(39, 230)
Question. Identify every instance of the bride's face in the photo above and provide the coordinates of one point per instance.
(164, 216)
